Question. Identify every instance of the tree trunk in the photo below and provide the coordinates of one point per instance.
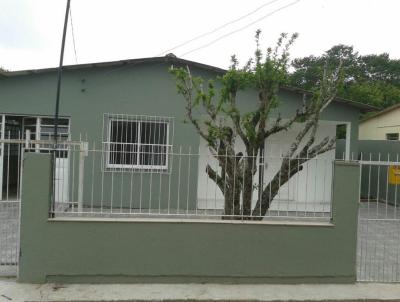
(289, 168)
(247, 195)
(232, 204)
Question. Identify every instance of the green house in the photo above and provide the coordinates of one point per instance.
(139, 153)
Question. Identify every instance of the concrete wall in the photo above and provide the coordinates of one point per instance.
(377, 127)
(84, 250)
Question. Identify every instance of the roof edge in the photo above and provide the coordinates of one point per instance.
(359, 105)
(384, 111)
(170, 58)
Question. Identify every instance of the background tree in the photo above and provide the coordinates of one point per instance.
(370, 79)
(215, 115)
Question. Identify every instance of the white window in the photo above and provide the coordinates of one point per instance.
(42, 128)
(137, 142)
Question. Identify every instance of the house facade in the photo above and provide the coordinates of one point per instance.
(131, 113)
(126, 198)
(384, 125)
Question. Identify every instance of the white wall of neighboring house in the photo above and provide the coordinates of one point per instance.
(308, 190)
(377, 127)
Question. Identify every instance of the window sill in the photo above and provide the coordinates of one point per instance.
(136, 169)
(287, 222)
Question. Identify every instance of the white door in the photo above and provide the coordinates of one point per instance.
(309, 190)
(61, 180)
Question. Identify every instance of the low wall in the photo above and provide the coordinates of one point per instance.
(84, 250)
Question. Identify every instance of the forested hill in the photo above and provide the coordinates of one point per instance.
(371, 79)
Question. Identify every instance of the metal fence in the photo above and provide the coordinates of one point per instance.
(157, 181)
(128, 180)
(378, 253)
(161, 182)
(11, 152)
(12, 149)
(9, 236)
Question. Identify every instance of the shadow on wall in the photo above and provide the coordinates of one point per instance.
(340, 149)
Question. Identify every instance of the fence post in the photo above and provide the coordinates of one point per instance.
(27, 138)
(35, 200)
(346, 191)
(345, 201)
(83, 152)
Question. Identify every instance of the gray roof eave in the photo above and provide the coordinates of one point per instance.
(173, 60)
(166, 59)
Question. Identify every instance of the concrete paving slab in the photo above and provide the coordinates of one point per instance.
(12, 291)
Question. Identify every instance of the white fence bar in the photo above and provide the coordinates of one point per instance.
(11, 153)
(155, 181)
(9, 236)
(83, 152)
(13, 145)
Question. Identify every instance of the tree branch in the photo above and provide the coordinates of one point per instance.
(212, 174)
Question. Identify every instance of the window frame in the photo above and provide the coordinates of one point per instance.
(139, 120)
(392, 133)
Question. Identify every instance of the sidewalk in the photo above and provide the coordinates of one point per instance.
(11, 291)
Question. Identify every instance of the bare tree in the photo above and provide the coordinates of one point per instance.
(217, 119)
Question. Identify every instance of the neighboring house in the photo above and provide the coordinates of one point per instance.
(133, 106)
(381, 182)
(384, 125)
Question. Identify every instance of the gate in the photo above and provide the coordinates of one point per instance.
(9, 236)
(378, 246)
(11, 155)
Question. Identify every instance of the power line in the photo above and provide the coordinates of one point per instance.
(219, 27)
(241, 28)
(73, 34)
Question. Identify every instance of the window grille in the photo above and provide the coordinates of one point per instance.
(137, 142)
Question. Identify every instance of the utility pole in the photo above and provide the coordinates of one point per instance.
(60, 67)
(56, 114)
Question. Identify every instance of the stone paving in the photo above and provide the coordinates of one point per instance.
(11, 291)
(378, 250)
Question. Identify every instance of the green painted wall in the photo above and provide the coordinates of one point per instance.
(139, 251)
(141, 89)
(146, 89)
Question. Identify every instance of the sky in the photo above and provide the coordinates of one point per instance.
(31, 30)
